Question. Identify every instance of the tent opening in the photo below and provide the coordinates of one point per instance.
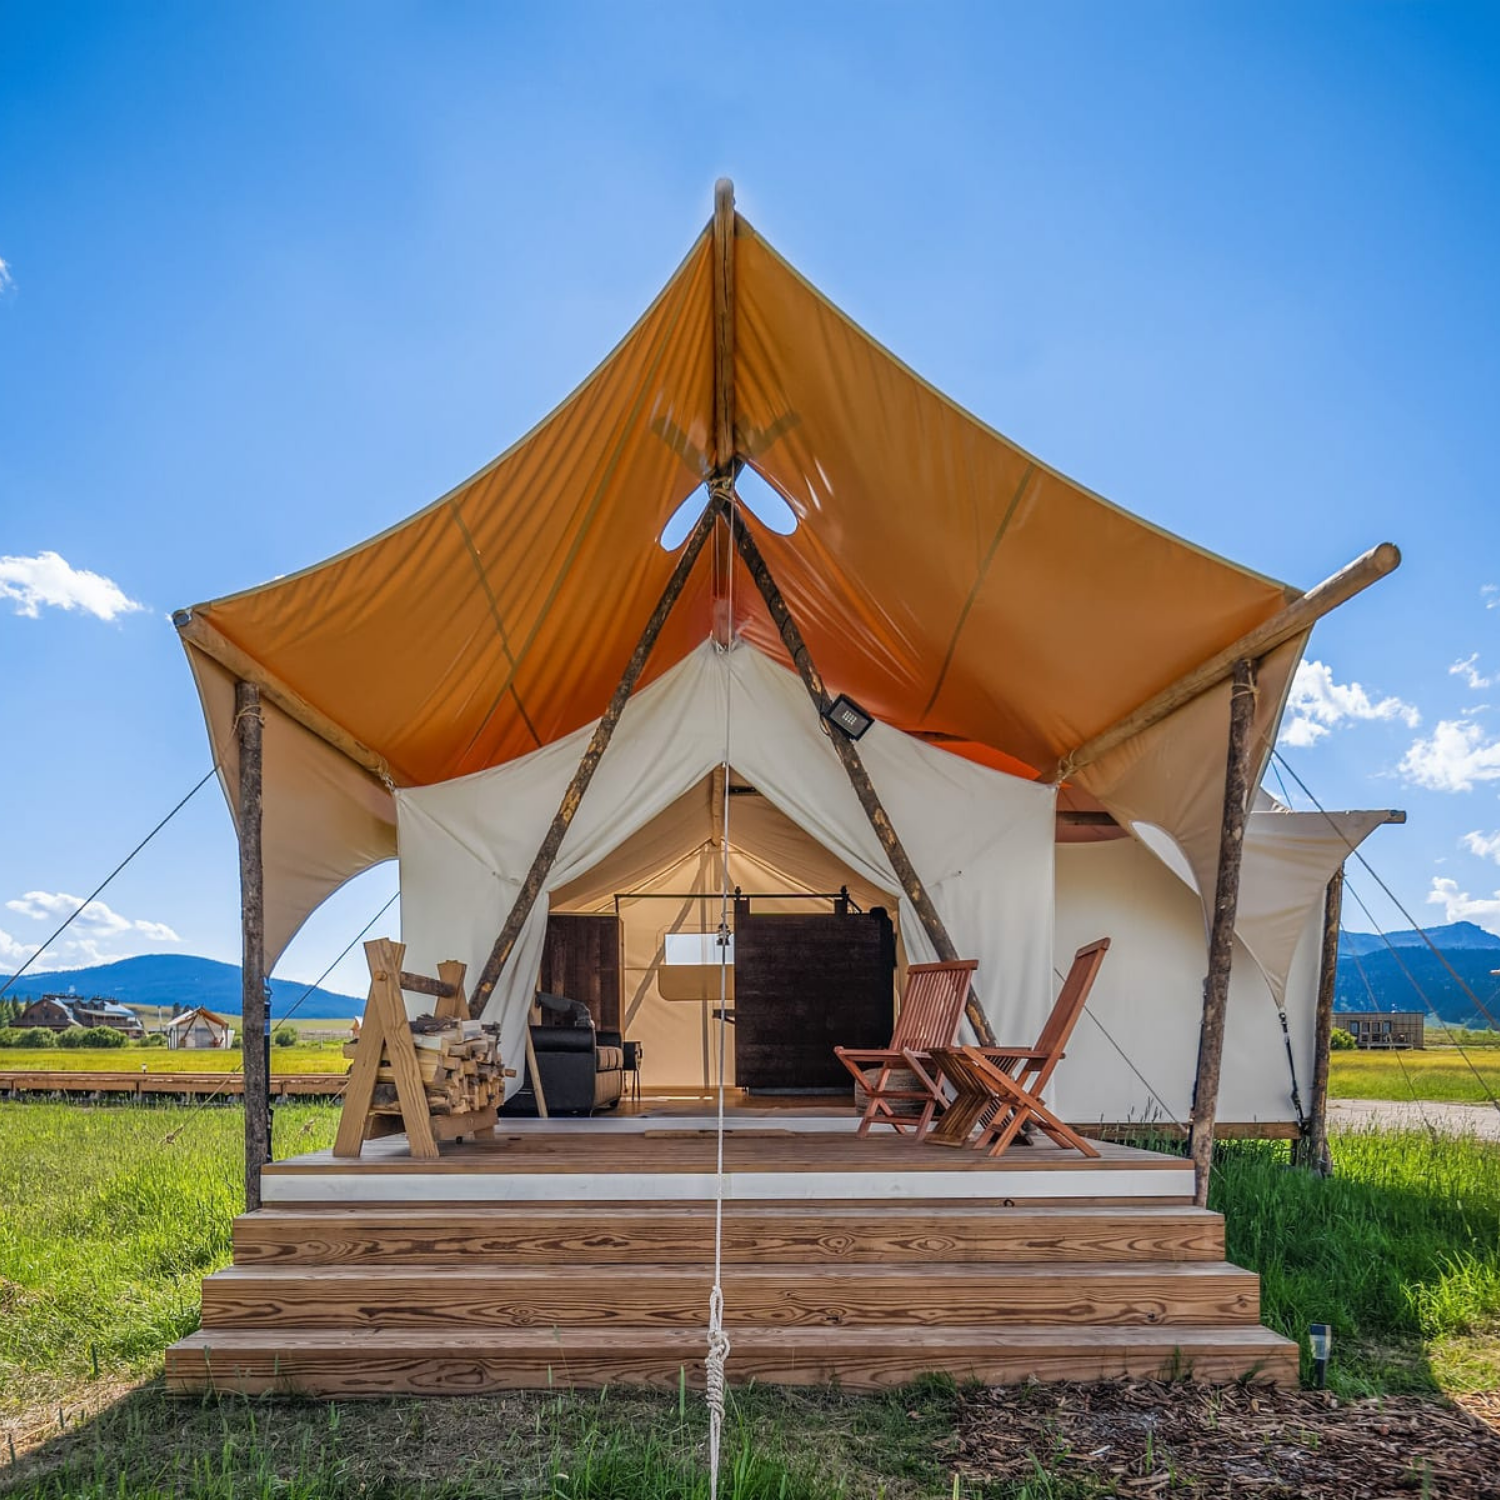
(813, 947)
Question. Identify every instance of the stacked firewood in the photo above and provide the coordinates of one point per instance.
(460, 1066)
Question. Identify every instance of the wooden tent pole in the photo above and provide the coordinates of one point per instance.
(247, 729)
(1312, 1150)
(1221, 937)
(723, 272)
(541, 866)
(1301, 614)
(864, 789)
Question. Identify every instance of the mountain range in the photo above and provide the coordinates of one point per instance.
(1374, 973)
(1400, 972)
(178, 981)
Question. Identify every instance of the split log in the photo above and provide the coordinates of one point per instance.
(1221, 937)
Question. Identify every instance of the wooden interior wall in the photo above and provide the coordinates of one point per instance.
(581, 959)
(804, 984)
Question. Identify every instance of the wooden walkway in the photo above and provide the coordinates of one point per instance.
(580, 1253)
(16, 1082)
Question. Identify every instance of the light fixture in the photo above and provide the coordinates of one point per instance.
(847, 717)
(1320, 1337)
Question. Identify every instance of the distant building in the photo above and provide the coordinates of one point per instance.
(59, 1012)
(1384, 1030)
(199, 1027)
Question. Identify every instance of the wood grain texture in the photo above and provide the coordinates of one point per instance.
(630, 1154)
(883, 1296)
(626, 1234)
(388, 1363)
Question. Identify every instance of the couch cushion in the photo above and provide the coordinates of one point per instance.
(611, 1058)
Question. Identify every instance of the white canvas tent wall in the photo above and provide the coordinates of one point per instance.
(981, 839)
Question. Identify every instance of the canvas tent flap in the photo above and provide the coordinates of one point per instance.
(941, 575)
(326, 822)
(981, 840)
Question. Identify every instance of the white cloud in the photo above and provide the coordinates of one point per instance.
(1460, 906)
(1452, 758)
(1485, 845)
(99, 934)
(49, 579)
(1318, 704)
(1469, 672)
(6, 279)
(1490, 593)
(13, 953)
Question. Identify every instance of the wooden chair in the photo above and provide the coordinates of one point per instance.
(931, 1010)
(999, 1089)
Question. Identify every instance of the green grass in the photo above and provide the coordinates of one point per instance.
(1399, 1252)
(109, 1219)
(1441, 1075)
(299, 1059)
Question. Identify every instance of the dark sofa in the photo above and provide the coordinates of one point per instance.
(581, 1069)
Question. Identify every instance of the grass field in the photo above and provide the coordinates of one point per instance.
(298, 1059)
(109, 1218)
(1439, 1074)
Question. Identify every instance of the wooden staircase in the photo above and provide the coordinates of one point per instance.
(450, 1298)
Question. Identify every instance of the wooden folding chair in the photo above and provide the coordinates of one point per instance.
(931, 1010)
(999, 1089)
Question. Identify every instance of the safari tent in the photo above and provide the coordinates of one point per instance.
(1049, 676)
(592, 681)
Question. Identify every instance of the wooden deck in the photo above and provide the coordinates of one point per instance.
(580, 1252)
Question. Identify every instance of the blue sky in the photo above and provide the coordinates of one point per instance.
(278, 275)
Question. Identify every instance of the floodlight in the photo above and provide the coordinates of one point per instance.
(847, 717)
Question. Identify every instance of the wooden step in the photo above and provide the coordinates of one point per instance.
(780, 1296)
(614, 1234)
(466, 1362)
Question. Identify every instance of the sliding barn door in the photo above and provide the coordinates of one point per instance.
(803, 985)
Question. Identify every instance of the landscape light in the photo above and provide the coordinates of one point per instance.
(1320, 1336)
(848, 717)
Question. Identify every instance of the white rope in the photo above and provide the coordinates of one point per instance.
(718, 1340)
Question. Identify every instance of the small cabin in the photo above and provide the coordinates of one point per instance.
(198, 1028)
(62, 1012)
(1384, 1031)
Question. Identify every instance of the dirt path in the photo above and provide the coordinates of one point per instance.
(1411, 1114)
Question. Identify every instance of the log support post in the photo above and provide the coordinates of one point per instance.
(541, 866)
(1221, 936)
(1312, 1150)
(912, 888)
(247, 729)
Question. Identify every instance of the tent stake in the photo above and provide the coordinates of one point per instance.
(247, 728)
(541, 866)
(1221, 938)
(864, 789)
(1312, 1150)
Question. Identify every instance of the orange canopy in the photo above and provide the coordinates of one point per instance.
(953, 584)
